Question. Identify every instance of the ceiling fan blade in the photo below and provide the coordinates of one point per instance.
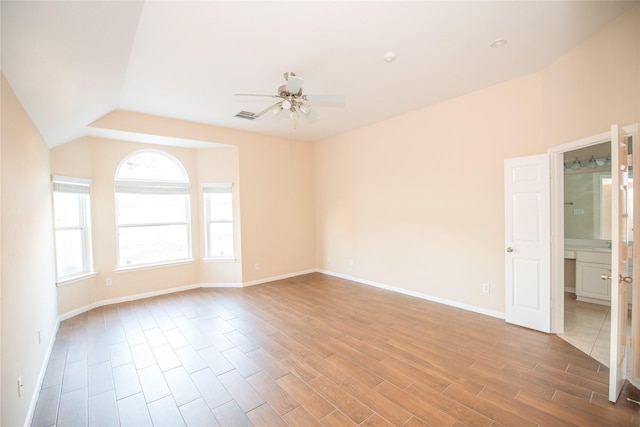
(256, 94)
(294, 84)
(323, 97)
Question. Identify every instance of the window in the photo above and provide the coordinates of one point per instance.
(152, 208)
(218, 214)
(605, 209)
(71, 212)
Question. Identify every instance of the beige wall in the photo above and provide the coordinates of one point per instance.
(276, 191)
(416, 202)
(221, 165)
(28, 264)
(273, 196)
(277, 199)
(595, 85)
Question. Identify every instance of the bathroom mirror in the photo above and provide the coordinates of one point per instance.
(587, 193)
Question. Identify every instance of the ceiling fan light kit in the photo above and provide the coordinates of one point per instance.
(291, 99)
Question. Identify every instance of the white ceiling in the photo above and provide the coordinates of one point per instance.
(71, 63)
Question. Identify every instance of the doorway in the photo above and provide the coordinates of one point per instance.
(581, 245)
(587, 233)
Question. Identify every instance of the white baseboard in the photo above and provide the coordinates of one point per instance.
(420, 295)
(135, 297)
(40, 380)
(127, 298)
(221, 285)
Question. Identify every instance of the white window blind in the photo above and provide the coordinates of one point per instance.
(67, 184)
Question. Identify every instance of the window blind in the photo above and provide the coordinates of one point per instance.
(217, 187)
(147, 187)
(67, 184)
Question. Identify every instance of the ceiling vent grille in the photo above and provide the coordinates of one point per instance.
(246, 115)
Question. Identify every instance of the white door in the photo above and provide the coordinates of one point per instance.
(620, 254)
(528, 242)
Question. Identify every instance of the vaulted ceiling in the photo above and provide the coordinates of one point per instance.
(72, 62)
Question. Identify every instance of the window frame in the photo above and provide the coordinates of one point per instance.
(210, 188)
(79, 186)
(157, 187)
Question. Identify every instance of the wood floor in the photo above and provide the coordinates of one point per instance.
(316, 350)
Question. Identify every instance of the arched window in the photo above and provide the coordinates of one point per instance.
(152, 209)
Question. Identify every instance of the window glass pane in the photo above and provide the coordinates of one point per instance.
(220, 239)
(219, 207)
(151, 208)
(153, 244)
(69, 252)
(151, 166)
(605, 207)
(67, 209)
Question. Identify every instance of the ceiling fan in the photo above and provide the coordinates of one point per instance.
(291, 99)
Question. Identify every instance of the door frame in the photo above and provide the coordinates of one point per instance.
(556, 169)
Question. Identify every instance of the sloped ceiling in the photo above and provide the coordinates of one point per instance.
(71, 63)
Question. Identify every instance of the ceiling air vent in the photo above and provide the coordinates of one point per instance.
(246, 115)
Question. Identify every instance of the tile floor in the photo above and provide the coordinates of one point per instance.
(587, 327)
(314, 350)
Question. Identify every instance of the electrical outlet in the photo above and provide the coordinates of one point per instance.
(257, 267)
(108, 282)
(39, 336)
(20, 385)
(350, 262)
(486, 288)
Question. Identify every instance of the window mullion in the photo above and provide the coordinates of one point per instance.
(70, 227)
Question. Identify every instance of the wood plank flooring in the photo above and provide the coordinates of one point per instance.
(316, 350)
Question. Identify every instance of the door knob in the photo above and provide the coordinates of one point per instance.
(625, 279)
(509, 249)
(621, 278)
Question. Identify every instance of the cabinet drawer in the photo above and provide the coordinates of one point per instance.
(594, 257)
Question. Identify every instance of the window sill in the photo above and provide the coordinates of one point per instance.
(159, 265)
(74, 279)
(221, 259)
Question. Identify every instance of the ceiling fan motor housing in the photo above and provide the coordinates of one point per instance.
(283, 92)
